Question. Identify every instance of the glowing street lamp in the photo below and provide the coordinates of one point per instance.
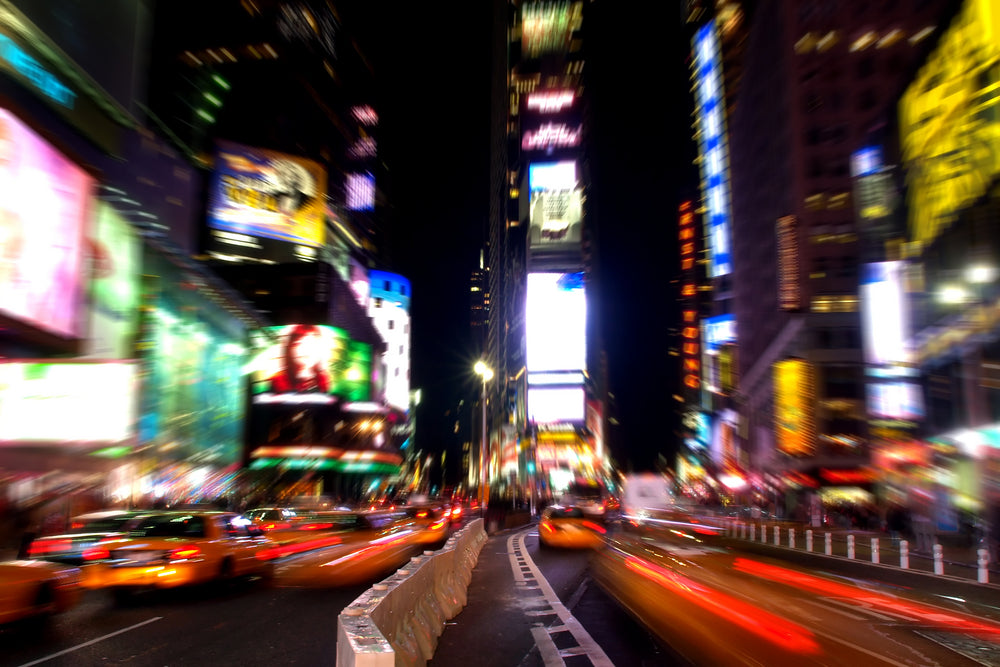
(486, 373)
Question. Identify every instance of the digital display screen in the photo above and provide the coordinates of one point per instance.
(68, 402)
(309, 363)
(884, 311)
(556, 322)
(556, 404)
(896, 400)
(262, 193)
(44, 213)
(555, 217)
(552, 175)
(114, 286)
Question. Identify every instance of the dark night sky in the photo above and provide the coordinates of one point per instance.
(434, 67)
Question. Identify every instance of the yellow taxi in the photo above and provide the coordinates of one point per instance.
(34, 589)
(568, 527)
(432, 519)
(180, 548)
(347, 548)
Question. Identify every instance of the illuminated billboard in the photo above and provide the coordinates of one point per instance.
(794, 410)
(555, 218)
(884, 312)
(550, 101)
(720, 330)
(711, 117)
(551, 136)
(389, 310)
(547, 27)
(896, 400)
(360, 192)
(44, 212)
(948, 125)
(552, 175)
(309, 363)
(260, 193)
(556, 404)
(116, 260)
(78, 402)
(789, 265)
(555, 322)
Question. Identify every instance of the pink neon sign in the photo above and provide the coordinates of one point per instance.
(550, 101)
(551, 135)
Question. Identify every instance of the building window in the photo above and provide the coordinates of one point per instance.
(377, 301)
(835, 303)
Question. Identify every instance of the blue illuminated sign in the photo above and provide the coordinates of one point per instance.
(712, 146)
(32, 70)
(866, 161)
(719, 330)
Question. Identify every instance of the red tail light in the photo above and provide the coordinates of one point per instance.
(96, 553)
(76, 525)
(547, 526)
(439, 524)
(421, 514)
(42, 547)
(595, 527)
(184, 553)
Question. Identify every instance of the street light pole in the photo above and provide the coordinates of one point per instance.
(486, 373)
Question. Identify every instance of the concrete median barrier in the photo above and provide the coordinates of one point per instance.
(399, 620)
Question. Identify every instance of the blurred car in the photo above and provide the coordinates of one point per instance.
(590, 497)
(354, 548)
(569, 527)
(79, 545)
(432, 519)
(272, 518)
(177, 548)
(35, 589)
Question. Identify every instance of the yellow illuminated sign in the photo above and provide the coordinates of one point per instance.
(794, 414)
(949, 121)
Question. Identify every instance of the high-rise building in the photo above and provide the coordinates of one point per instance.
(819, 80)
(479, 301)
(538, 342)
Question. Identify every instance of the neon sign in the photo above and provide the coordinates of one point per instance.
(38, 76)
(712, 147)
(551, 135)
(550, 101)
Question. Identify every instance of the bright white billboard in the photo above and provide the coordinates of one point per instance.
(552, 175)
(555, 217)
(556, 404)
(556, 322)
(884, 311)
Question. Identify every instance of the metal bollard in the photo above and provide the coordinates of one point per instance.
(829, 544)
(791, 538)
(875, 550)
(904, 554)
(777, 536)
(938, 559)
(850, 547)
(809, 541)
(983, 561)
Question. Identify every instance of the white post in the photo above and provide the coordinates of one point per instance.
(829, 544)
(791, 538)
(763, 532)
(850, 547)
(874, 549)
(904, 554)
(809, 540)
(777, 536)
(938, 559)
(984, 565)
(753, 530)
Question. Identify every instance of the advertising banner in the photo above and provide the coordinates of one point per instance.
(556, 322)
(262, 193)
(309, 363)
(555, 218)
(67, 403)
(116, 259)
(44, 206)
(794, 409)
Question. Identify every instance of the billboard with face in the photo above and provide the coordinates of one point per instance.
(310, 363)
(116, 258)
(258, 193)
(44, 208)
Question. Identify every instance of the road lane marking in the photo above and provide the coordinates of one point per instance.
(519, 557)
(92, 641)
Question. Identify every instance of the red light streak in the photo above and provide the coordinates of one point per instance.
(766, 625)
(913, 610)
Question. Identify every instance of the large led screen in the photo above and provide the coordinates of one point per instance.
(44, 200)
(794, 409)
(552, 175)
(547, 405)
(91, 403)
(555, 217)
(884, 313)
(711, 115)
(262, 193)
(896, 400)
(310, 363)
(948, 122)
(556, 322)
(116, 259)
